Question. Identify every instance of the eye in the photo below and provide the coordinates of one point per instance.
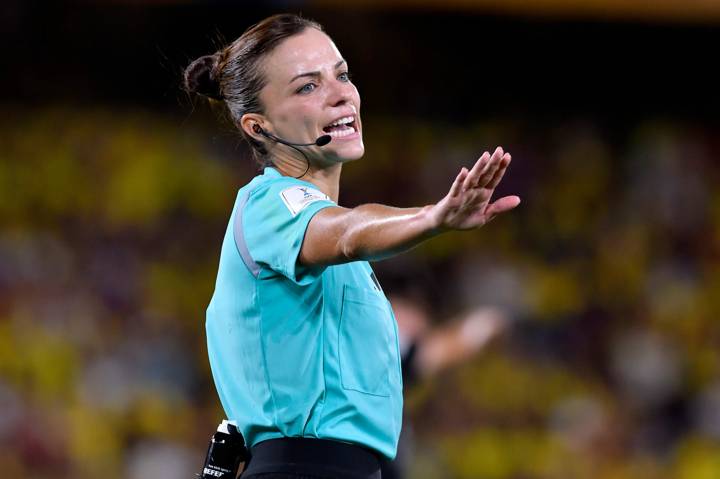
(306, 88)
(344, 76)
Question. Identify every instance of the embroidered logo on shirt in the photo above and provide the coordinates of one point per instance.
(296, 198)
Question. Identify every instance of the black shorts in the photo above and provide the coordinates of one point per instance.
(306, 458)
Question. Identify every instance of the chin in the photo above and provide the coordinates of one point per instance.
(349, 152)
(353, 151)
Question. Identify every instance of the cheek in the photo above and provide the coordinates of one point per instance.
(303, 112)
(356, 96)
(295, 116)
(285, 112)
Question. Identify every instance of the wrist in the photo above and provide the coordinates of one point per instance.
(432, 221)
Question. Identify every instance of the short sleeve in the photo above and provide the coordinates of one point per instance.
(274, 220)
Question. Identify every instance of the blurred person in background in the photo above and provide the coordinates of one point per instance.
(302, 342)
(427, 350)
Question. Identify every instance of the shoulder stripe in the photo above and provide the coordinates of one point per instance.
(240, 237)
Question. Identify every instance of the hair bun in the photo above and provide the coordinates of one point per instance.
(200, 77)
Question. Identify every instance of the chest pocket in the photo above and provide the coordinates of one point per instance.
(367, 342)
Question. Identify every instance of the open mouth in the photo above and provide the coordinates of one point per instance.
(341, 127)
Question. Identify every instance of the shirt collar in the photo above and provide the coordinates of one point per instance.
(271, 172)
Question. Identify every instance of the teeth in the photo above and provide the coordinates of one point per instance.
(342, 121)
(342, 133)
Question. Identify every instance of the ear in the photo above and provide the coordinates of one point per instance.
(249, 123)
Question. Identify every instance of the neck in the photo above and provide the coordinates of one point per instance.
(326, 177)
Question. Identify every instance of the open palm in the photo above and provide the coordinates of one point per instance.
(467, 204)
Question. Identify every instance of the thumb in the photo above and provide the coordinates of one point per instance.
(506, 203)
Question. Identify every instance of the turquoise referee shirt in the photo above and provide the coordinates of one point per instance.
(298, 351)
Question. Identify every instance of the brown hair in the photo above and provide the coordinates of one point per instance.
(233, 75)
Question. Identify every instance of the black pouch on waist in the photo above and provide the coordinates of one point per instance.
(225, 453)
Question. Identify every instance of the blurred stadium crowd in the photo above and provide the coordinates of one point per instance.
(609, 270)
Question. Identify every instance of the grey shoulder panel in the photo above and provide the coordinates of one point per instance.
(240, 237)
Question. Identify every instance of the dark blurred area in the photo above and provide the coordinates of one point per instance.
(116, 189)
(432, 63)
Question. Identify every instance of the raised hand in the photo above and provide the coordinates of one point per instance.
(467, 204)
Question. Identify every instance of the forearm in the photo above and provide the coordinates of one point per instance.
(374, 231)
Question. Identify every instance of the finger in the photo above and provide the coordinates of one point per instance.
(457, 184)
(504, 162)
(506, 203)
(476, 171)
(492, 168)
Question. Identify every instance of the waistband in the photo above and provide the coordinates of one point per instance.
(319, 457)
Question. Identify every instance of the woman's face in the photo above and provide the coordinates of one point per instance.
(309, 94)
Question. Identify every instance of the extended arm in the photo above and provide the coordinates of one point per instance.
(372, 231)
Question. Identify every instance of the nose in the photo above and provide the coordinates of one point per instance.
(340, 93)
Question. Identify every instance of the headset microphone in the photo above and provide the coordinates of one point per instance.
(321, 141)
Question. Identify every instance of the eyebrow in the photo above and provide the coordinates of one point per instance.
(314, 74)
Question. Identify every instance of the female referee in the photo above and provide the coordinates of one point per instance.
(302, 342)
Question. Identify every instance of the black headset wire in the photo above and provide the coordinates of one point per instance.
(307, 160)
(260, 130)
